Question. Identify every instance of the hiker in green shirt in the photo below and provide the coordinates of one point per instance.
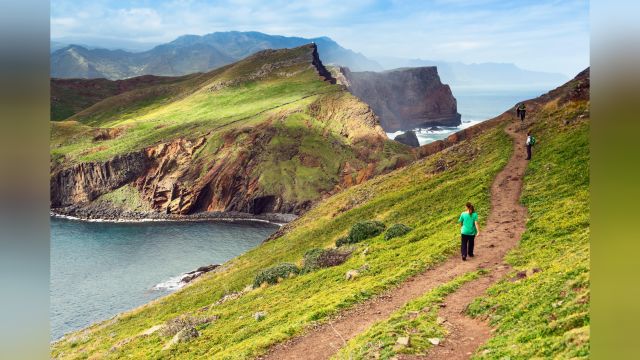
(468, 231)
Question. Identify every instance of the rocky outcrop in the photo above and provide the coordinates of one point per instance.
(405, 99)
(408, 138)
(84, 182)
(222, 169)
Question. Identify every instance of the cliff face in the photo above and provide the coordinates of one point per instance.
(286, 150)
(404, 99)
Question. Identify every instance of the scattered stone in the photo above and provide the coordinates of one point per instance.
(521, 274)
(352, 274)
(434, 341)
(442, 305)
(404, 341)
(183, 335)
(260, 315)
(151, 330)
(413, 314)
(440, 320)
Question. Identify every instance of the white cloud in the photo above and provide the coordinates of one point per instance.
(545, 35)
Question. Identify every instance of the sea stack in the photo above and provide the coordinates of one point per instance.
(405, 98)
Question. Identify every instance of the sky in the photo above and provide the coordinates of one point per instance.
(550, 36)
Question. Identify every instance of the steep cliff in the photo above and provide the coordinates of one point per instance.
(404, 99)
(269, 134)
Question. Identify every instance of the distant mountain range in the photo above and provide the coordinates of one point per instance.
(193, 53)
(481, 75)
(189, 54)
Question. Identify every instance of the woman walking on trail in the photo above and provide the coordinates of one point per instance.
(468, 231)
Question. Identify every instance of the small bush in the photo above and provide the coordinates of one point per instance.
(342, 241)
(271, 275)
(360, 231)
(363, 230)
(397, 230)
(322, 258)
(175, 325)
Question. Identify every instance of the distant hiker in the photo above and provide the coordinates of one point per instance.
(468, 231)
(522, 110)
(531, 140)
(518, 110)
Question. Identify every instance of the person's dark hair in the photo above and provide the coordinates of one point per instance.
(470, 208)
(528, 133)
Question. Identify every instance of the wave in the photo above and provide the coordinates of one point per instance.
(172, 284)
(143, 220)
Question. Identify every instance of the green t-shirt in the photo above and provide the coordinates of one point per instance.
(468, 223)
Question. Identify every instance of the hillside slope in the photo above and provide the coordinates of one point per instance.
(189, 54)
(70, 96)
(541, 314)
(237, 139)
(413, 196)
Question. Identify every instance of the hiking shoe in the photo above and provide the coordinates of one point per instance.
(464, 258)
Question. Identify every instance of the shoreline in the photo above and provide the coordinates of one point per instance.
(278, 219)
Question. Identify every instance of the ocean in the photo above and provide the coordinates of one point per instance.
(475, 106)
(99, 269)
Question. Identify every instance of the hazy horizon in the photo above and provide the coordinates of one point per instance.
(549, 36)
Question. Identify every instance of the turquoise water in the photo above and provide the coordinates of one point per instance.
(476, 106)
(101, 269)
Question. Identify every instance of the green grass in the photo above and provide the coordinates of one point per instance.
(418, 320)
(290, 132)
(412, 196)
(126, 197)
(546, 314)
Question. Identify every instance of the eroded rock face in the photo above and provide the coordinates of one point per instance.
(405, 99)
(84, 182)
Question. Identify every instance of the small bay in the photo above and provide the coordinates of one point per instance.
(99, 269)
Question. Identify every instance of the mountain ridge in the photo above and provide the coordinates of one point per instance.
(231, 140)
(189, 54)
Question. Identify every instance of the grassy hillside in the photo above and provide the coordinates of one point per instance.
(546, 313)
(264, 123)
(70, 96)
(412, 196)
(542, 309)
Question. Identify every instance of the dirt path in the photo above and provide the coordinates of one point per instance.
(505, 225)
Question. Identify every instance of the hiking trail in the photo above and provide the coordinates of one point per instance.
(504, 227)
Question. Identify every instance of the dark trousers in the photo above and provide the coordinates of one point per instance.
(528, 152)
(522, 114)
(466, 246)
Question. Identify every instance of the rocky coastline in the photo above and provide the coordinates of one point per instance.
(109, 214)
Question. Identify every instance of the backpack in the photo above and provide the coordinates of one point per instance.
(532, 140)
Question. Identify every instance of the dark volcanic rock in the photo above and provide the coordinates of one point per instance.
(405, 98)
(408, 138)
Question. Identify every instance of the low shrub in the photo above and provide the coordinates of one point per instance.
(342, 241)
(322, 258)
(397, 230)
(175, 325)
(272, 274)
(362, 230)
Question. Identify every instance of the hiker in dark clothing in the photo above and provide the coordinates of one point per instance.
(531, 140)
(522, 110)
(468, 231)
(518, 110)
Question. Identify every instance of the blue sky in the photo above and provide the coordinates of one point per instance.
(538, 35)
